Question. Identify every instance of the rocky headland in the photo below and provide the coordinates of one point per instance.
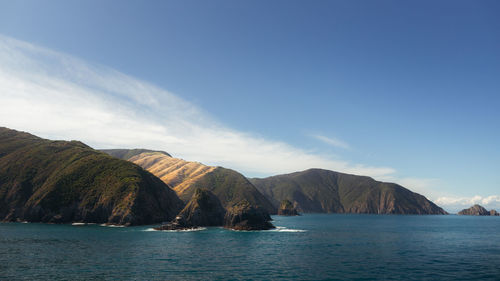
(478, 210)
(324, 191)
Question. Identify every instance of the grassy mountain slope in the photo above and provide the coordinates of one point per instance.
(59, 181)
(185, 177)
(323, 191)
(126, 154)
(177, 173)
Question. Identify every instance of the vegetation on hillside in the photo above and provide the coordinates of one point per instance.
(323, 191)
(60, 181)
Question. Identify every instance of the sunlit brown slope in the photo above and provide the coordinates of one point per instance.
(177, 173)
(185, 177)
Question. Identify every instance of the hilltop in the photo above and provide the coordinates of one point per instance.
(67, 181)
(324, 191)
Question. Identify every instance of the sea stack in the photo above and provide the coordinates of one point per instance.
(204, 209)
(244, 216)
(287, 209)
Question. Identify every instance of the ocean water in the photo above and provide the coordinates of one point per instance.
(309, 247)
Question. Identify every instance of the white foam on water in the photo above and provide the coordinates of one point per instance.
(284, 229)
(178, 230)
(78, 223)
(111, 225)
(277, 229)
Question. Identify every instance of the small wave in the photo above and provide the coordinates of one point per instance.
(284, 229)
(111, 225)
(277, 229)
(78, 223)
(178, 230)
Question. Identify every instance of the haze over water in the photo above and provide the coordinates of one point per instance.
(309, 247)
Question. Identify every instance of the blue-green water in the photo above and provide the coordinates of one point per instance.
(332, 247)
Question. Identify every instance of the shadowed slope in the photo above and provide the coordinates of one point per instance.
(59, 181)
(323, 191)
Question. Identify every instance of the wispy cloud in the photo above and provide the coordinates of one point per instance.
(59, 96)
(332, 141)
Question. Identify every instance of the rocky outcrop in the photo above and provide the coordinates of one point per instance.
(477, 210)
(244, 216)
(287, 209)
(204, 209)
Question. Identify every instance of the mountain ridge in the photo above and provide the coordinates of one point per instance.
(325, 191)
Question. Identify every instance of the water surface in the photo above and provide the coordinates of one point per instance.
(309, 247)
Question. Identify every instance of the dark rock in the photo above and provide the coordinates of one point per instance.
(204, 209)
(244, 216)
(287, 209)
(494, 213)
(176, 224)
(475, 210)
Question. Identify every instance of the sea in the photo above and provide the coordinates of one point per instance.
(308, 247)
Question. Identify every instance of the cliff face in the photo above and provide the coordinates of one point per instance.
(60, 182)
(204, 209)
(287, 209)
(323, 191)
(244, 216)
(477, 210)
(186, 177)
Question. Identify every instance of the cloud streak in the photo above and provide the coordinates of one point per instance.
(55, 95)
(332, 141)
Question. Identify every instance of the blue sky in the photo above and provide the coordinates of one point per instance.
(402, 91)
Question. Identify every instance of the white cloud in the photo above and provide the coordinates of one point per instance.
(54, 95)
(332, 141)
(458, 203)
(468, 201)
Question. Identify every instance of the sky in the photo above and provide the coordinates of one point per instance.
(402, 91)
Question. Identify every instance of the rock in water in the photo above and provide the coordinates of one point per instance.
(244, 216)
(475, 210)
(494, 213)
(287, 209)
(204, 209)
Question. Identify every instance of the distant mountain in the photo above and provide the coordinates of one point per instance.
(61, 182)
(477, 210)
(324, 191)
(186, 177)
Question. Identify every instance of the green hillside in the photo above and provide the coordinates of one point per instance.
(185, 177)
(323, 191)
(60, 181)
(126, 154)
(231, 188)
